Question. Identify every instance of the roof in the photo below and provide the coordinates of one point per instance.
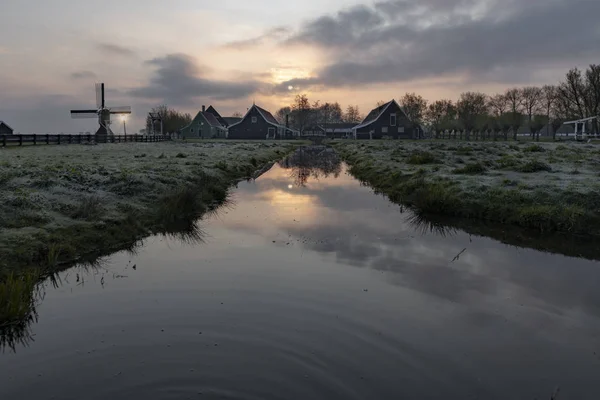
(375, 114)
(232, 120)
(211, 119)
(214, 112)
(340, 126)
(267, 116)
(5, 124)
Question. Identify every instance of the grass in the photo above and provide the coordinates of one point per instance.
(421, 158)
(497, 183)
(102, 199)
(533, 166)
(470, 169)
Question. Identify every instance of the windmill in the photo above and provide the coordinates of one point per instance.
(102, 112)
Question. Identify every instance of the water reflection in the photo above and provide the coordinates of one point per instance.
(313, 287)
(312, 162)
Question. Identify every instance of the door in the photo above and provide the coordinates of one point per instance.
(271, 133)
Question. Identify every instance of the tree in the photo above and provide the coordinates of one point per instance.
(549, 99)
(514, 97)
(282, 114)
(380, 103)
(352, 114)
(438, 114)
(498, 104)
(328, 114)
(414, 106)
(471, 106)
(532, 100)
(172, 119)
(579, 94)
(302, 112)
(237, 114)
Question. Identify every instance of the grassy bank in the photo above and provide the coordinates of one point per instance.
(548, 187)
(59, 204)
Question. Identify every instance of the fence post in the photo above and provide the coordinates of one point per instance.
(34, 140)
(47, 138)
(3, 140)
(70, 139)
(58, 139)
(20, 140)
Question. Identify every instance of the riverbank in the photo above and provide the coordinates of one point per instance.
(61, 204)
(548, 187)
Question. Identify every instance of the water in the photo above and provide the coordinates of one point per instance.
(309, 286)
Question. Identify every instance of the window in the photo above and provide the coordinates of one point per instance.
(254, 119)
(384, 129)
(192, 130)
(392, 119)
(400, 129)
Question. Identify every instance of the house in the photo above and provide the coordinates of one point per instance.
(214, 112)
(314, 130)
(205, 126)
(258, 123)
(5, 129)
(231, 120)
(339, 129)
(387, 120)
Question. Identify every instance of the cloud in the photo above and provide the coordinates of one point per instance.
(115, 50)
(178, 81)
(83, 75)
(483, 41)
(273, 34)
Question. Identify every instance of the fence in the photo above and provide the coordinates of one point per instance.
(21, 140)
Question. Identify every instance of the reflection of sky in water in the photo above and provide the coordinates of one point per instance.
(308, 286)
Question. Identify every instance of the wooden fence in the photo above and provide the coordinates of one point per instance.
(22, 140)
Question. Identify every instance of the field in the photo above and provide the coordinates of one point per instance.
(544, 186)
(59, 204)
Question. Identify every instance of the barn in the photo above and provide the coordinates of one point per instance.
(205, 126)
(258, 123)
(5, 129)
(387, 120)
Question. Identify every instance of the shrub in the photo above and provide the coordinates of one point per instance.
(180, 155)
(470, 169)
(534, 148)
(534, 166)
(421, 158)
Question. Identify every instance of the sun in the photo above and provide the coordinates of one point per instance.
(290, 186)
(290, 87)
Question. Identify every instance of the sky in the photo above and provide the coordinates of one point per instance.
(189, 53)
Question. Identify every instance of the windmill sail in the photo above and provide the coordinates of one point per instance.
(80, 114)
(100, 95)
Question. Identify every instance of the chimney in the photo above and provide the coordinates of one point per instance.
(203, 108)
(287, 120)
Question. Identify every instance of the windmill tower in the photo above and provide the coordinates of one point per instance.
(102, 112)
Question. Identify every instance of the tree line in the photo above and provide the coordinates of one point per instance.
(172, 120)
(303, 114)
(538, 109)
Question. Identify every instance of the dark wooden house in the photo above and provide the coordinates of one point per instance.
(387, 120)
(5, 129)
(205, 125)
(258, 123)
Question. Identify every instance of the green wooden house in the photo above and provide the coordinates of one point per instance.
(204, 126)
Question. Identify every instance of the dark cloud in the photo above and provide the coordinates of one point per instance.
(83, 75)
(277, 33)
(116, 50)
(178, 81)
(483, 41)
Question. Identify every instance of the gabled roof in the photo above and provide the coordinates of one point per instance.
(214, 112)
(5, 124)
(232, 120)
(375, 114)
(211, 119)
(340, 126)
(267, 116)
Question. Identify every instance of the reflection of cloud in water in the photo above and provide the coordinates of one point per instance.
(363, 230)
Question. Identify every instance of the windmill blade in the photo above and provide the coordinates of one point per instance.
(100, 95)
(80, 114)
(120, 110)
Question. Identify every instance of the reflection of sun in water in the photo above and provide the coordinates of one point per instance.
(290, 186)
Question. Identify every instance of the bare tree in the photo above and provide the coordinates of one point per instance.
(572, 94)
(282, 114)
(549, 93)
(514, 98)
(414, 106)
(532, 100)
(329, 113)
(302, 112)
(172, 119)
(498, 104)
(352, 114)
(380, 103)
(438, 114)
(470, 107)
(237, 114)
